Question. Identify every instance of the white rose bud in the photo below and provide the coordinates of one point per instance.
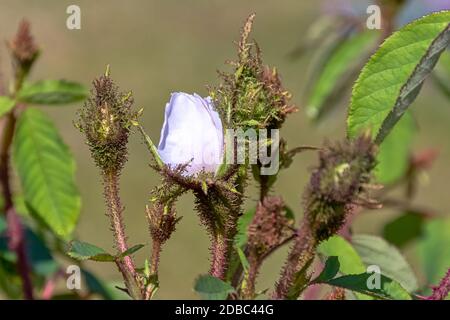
(192, 133)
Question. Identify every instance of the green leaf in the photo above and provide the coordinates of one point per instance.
(104, 290)
(329, 271)
(244, 221)
(433, 249)
(6, 104)
(130, 251)
(350, 261)
(394, 153)
(338, 72)
(39, 255)
(52, 92)
(10, 283)
(376, 251)
(243, 259)
(389, 289)
(404, 229)
(86, 251)
(3, 225)
(393, 77)
(46, 171)
(212, 288)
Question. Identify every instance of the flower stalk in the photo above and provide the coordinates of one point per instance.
(23, 53)
(105, 119)
(442, 290)
(338, 184)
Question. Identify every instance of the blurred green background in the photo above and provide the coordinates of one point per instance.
(157, 47)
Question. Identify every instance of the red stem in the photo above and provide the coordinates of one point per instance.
(16, 234)
(221, 252)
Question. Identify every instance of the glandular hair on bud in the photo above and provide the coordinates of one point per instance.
(339, 183)
(252, 96)
(105, 119)
(162, 221)
(270, 226)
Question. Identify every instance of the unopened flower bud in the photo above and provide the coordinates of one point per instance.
(105, 119)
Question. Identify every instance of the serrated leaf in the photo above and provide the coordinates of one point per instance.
(52, 92)
(404, 229)
(86, 251)
(374, 250)
(433, 249)
(329, 271)
(6, 104)
(393, 77)
(212, 288)
(338, 68)
(394, 153)
(46, 171)
(389, 289)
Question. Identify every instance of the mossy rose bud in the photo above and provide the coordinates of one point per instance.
(192, 133)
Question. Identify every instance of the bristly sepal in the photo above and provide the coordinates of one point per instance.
(339, 183)
(252, 96)
(106, 120)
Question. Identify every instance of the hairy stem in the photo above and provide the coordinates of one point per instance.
(442, 290)
(16, 236)
(114, 212)
(221, 250)
(301, 254)
(249, 282)
(156, 253)
(154, 267)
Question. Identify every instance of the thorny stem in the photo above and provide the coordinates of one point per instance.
(300, 255)
(114, 212)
